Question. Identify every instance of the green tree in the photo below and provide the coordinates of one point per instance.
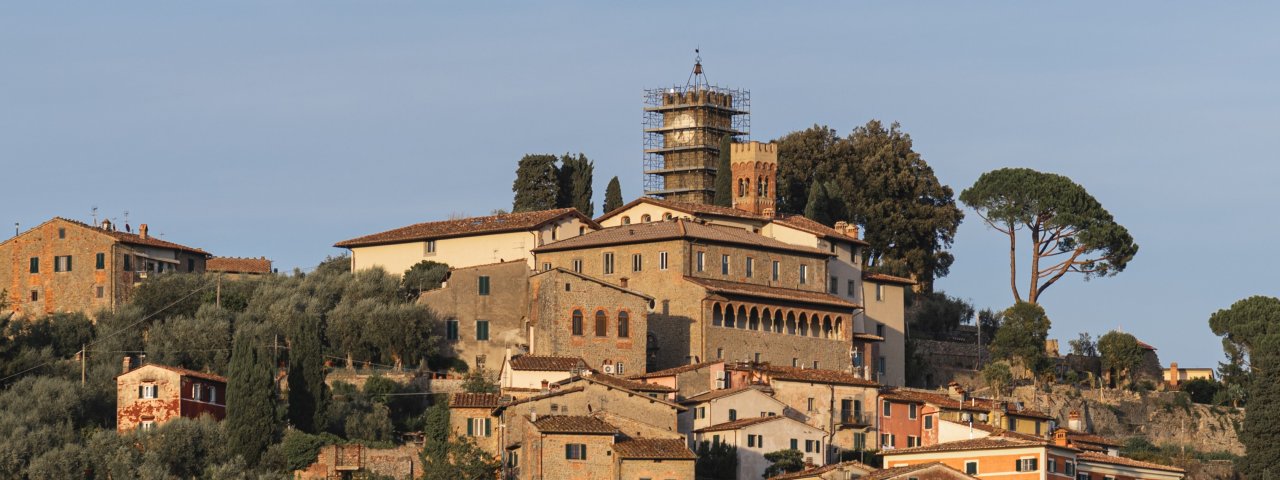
(1021, 337)
(1251, 327)
(1120, 352)
(1084, 345)
(613, 195)
(784, 461)
(724, 174)
(822, 207)
(998, 376)
(308, 394)
(536, 186)
(423, 276)
(1070, 230)
(716, 461)
(935, 315)
(251, 396)
(478, 381)
(575, 178)
(198, 343)
(806, 157)
(452, 459)
(1201, 390)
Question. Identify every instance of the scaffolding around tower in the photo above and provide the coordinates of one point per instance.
(683, 127)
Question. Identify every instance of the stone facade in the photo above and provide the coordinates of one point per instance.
(754, 168)
(151, 395)
(485, 308)
(758, 436)
(67, 266)
(350, 461)
(560, 298)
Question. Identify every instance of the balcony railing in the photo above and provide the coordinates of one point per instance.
(855, 419)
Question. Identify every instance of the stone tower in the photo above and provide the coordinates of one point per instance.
(683, 127)
(755, 174)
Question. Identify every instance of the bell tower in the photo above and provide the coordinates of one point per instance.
(683, 126)
(755, 174)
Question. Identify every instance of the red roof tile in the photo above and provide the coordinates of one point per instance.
(573, 424)
(803, 223)
(985, 443)
(739, 423)
(692, 209)
(654, 448)
(675, 370)
(620, 382)
(1090, 439)
(547, 363)
(813, 472)
(238, 265)
(678, 229)
(476, 400)
(133, 238)
(714, 394)
(817, 375)
(885, 278)
(918, 471)
(509, 222)
(1108, 459)
(181, 371)
(972, 404)
(776, 293)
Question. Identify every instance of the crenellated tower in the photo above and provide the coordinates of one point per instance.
(755, 174)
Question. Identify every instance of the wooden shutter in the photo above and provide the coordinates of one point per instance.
(471, 427)
(486, 427)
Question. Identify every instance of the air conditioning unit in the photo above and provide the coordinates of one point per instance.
(608, 369)
(966, 417)
(720, 376)
(982, 417)
(720, 384)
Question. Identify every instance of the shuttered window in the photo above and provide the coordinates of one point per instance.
(100, 261)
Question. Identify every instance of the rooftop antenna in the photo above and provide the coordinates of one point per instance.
(15, 229)
(127, 229)
(95, 216)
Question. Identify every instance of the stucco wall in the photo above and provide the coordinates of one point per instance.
(777, 435)
(889, 310)
(504, 307)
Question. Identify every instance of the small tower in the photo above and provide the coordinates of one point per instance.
(683, 126)
(755, 174)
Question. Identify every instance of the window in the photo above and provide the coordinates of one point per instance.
(880, 364)
(776, 265)
(809, 404)
(513, 458)
(147, 425)
(1069, 468)
(646, 218)
(577, 265)
(702, 259)
(637, 262)
(724, 264)
(859, 441)
(191, 265)
(624, 326)
(100, 261)
(849, 289)
(626, 220)
(833, 286)
(804, 274)
(879, 293)
(795, 444)
(815, 364)
(99, 291)
(715, 439)
(971, 467)
(1082, 475)
(35, 295)
(911, 411)
(602, 323)
(1037, 429)
(886, 440)
(128, 263)
(35, 264)
(577, 322)
(662, 260)
(757, 357)
(575, 451)
(479, 427)
(211, 394)
(195, 391)
(484, 284)
(913, 441)
(755, 441)
(147, 391)
(702, 412)
(751, 267)
(482, 330)
(62, 233)
(608, 263)
(546, 266)
(928, 422)
(795, 362)
(451, 329)
(719, 351)
(733, 414)
(554, 230)
(1027, 465)
(431, 244)
(62, 263)
(619, 370)
(1051, 465)
(887, 409)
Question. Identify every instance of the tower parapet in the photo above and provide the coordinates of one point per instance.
(755, 174)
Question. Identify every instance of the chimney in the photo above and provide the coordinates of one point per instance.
(126, 364)
(545, 386)
(142, 231)
(1073, 421)
(1060, 437)
(1173, 374)
(770, 212)
(955, 391)
(842, 226)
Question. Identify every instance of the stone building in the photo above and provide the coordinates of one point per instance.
(496, 309)
(471, 416)
(719, 292)
(358, 461)
(688, 380)
(583, 447)
(153, 394)
(66, 266)
(756, 436)
(466, 242)
(235, 268)
(523, 375)
(911, 418)
(837, 402)
(726, 405)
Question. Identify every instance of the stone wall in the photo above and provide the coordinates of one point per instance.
(557, 294)
(505, 307)
(398, 463)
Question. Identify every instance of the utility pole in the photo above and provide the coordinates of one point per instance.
(217, 296)
(84, 353)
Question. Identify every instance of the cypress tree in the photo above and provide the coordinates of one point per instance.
(815, 208)
(251, 414)
(537, 184)
(724, 175)
(308, 394)
(575, 177)
(613, 195)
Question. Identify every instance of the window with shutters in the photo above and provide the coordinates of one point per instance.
(887, 409)
(451, 329)
(733, 414)
(1069, 468)
(577, 322)
(546, 266)
(971, 467)
(35, 265)
(928, 422)
(637, 262)
(724, 264)
(147, 425)
(479, 427)
(128, 263)
(602, 323)
(624, 325)
(100, 261)
(776, 268)
(911, 411)
(1051, 465)
(575, 451)
(702, 261)
(482, 330)
(147, 390)
(804, 274)
(751, 267)
(431, 245)
(577, 265)
(1027, 464)
(62, 263)
(662, 260)
(195, 391)
(608, 263)
(795, 444)
(484, 284)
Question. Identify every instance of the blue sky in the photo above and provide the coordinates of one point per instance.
(279, 128)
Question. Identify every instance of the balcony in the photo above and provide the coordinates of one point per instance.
(855, 419)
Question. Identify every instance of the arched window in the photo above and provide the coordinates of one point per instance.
(626, 220)
(760, 185)
(624, 324)
(646, 218)
(764, 190)
(667, 216)
(602, 323)
(742, 187)
(577, 322)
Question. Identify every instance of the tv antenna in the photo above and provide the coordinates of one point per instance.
(95, 215)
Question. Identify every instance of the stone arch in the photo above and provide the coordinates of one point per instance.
(827, 327)
(741, 317)
(814, 326)
(730, 316)
(839, 327)
(766, 320)
(778, 321)
(804, 324)
(753, 322)
(717, 315)
(791, 323)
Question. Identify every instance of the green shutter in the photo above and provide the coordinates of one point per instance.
(486, 427)
(35, 264)
(470, 428)
(68, 263)
(101, 261)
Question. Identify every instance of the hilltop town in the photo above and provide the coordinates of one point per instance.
(736, 320)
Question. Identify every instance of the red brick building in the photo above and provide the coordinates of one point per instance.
(67, 266)
(150, 395)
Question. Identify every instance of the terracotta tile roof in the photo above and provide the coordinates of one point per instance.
(573, 424)
(678, 229)
(692, 209)
(547, 363)
(886, 278)
(739, 423)
(590, 279)
(985, 443)
(675, 371)
(1095, 457)
(132, 238)
(817, 375)
(475, 400)
(1145, 346)
(916, 471)
(868, 337)
(238, 265)
(509, 222)
(181, 371)
(714, 394)
(556, 393)
(654, 448)
(620, 382)
(776, 293)
(813, 472)
(803, 223)
(1091, 439)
